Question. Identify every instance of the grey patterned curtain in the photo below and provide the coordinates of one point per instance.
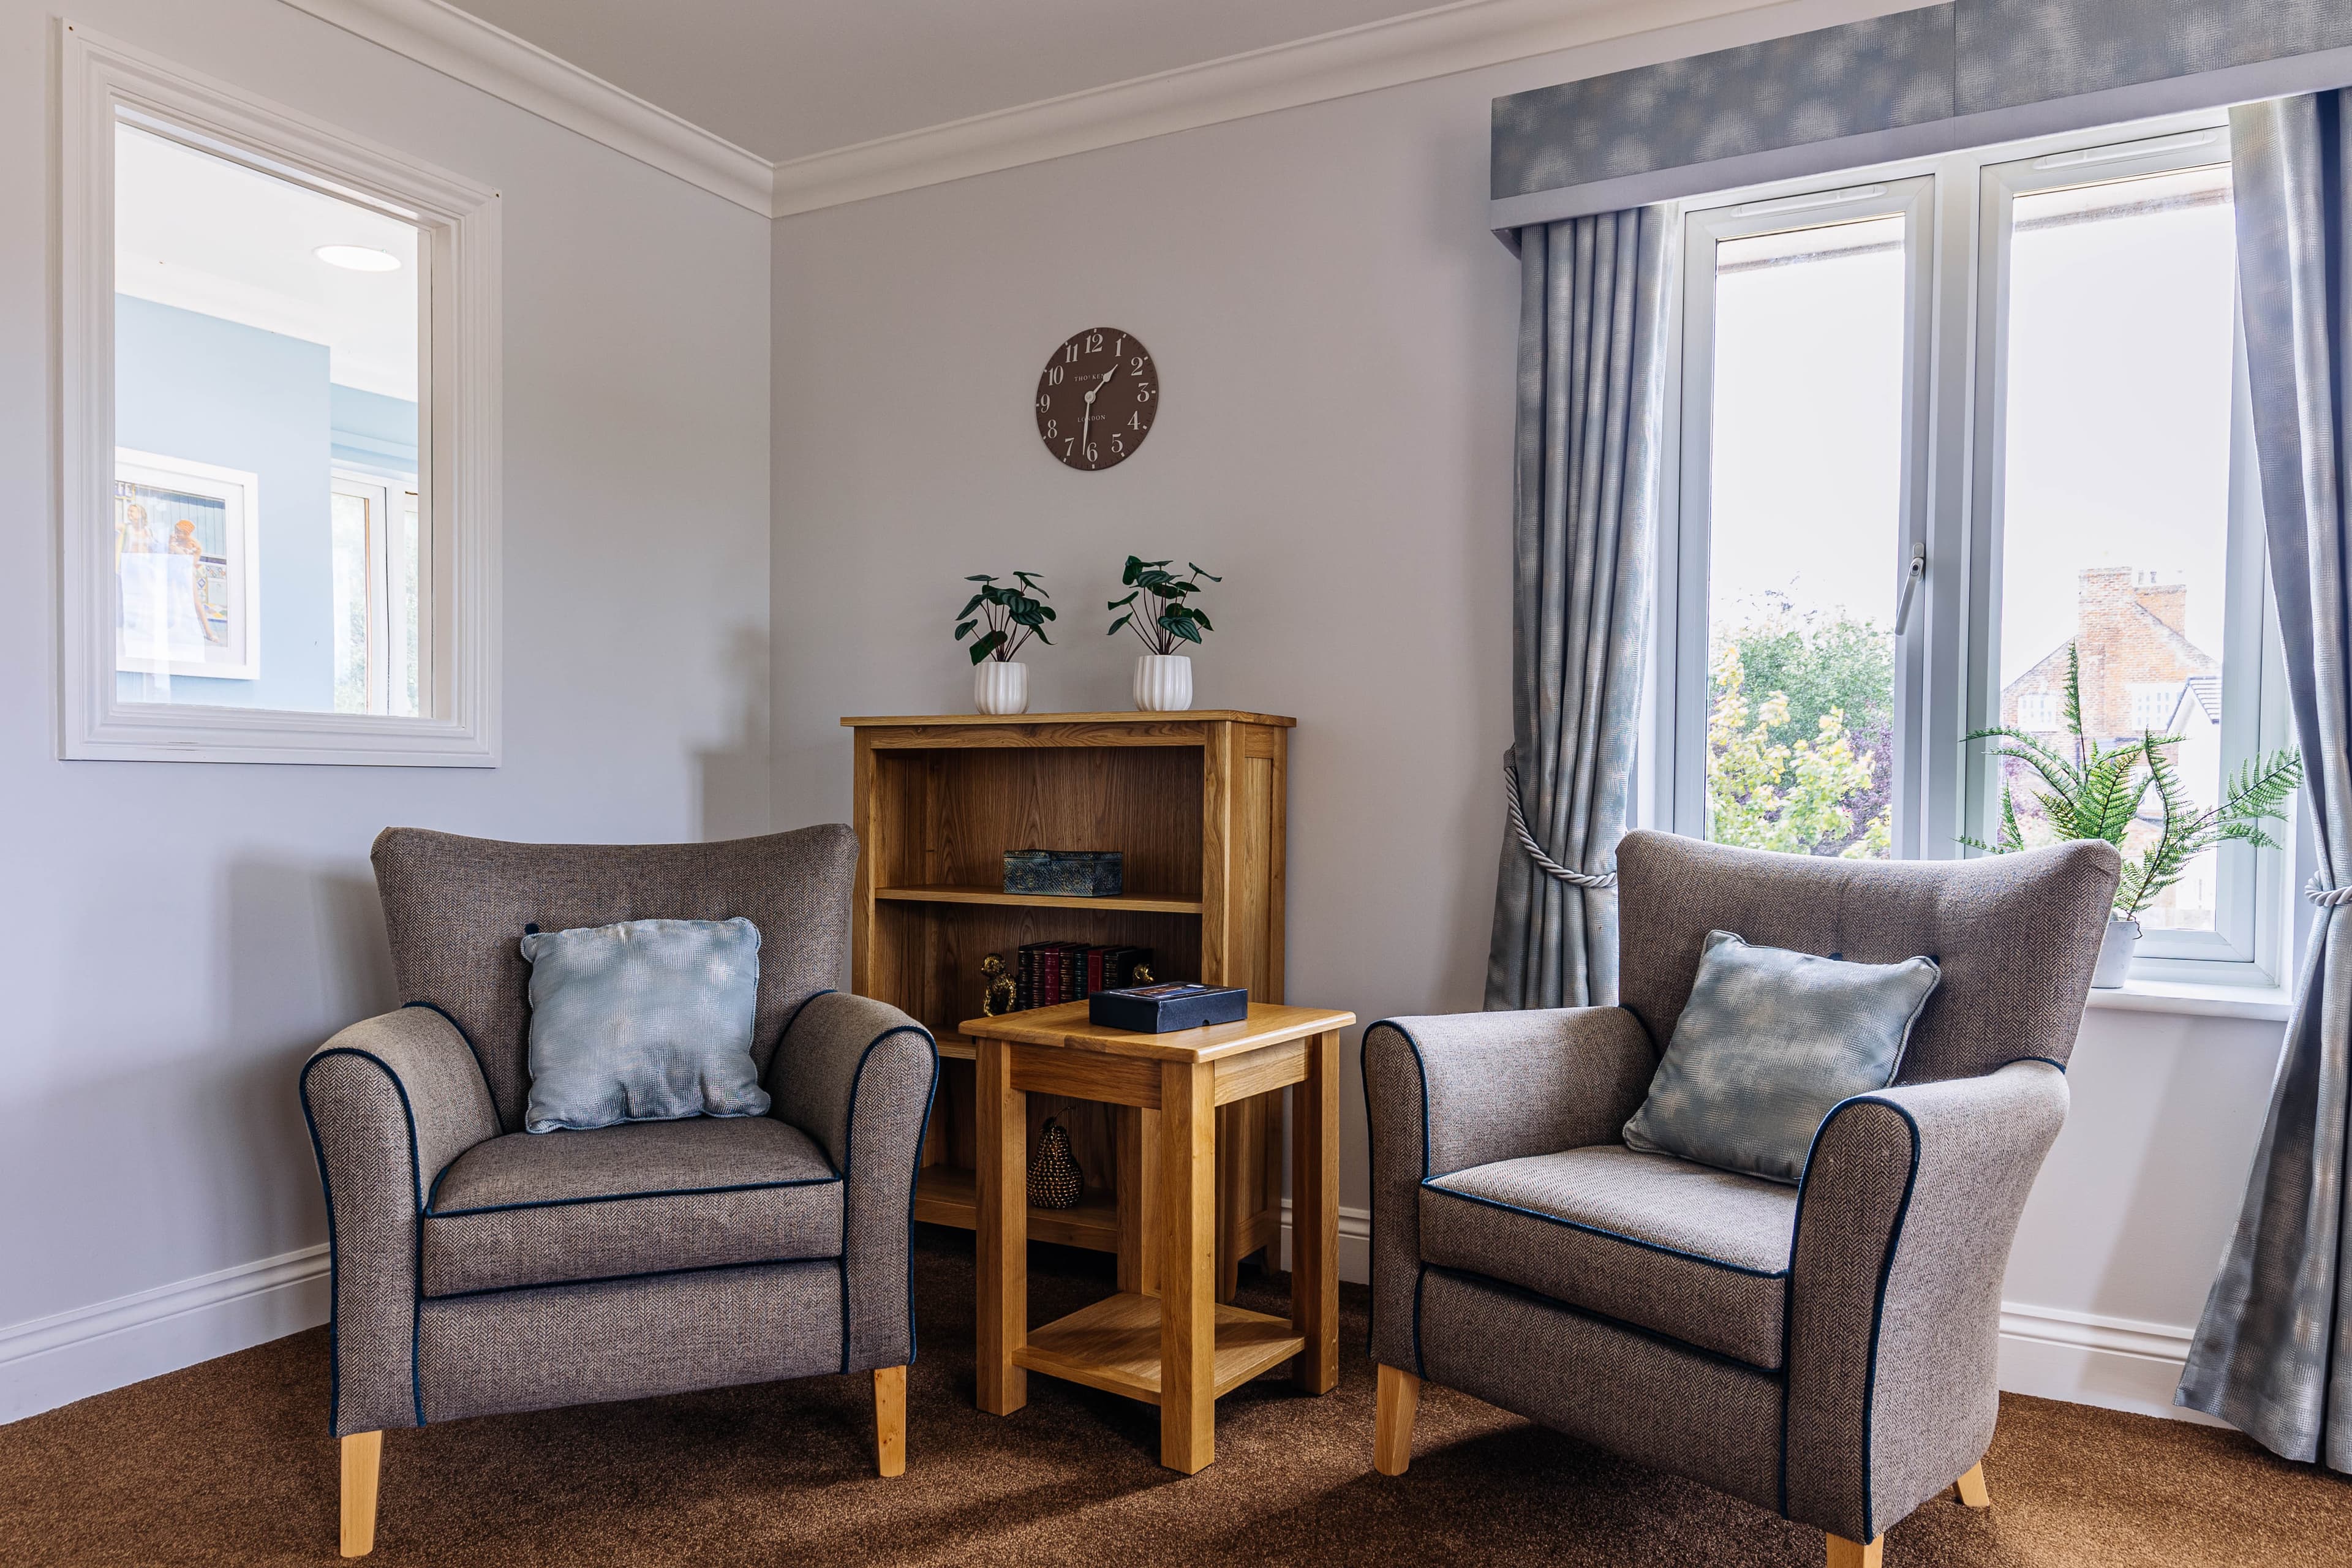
(1593, 297)
(2273, 1355)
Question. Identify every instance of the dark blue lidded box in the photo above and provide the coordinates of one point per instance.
(1065, 873)
(1162, 1009)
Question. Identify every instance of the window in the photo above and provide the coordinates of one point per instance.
(280, 431)
(378, 579)
(1799, 409)
(1948, 440)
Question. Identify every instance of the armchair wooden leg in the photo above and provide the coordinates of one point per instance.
(890, 1420)
(1400, 1396)
(1844, 1554)
(362, 1455)
(1972, 1487)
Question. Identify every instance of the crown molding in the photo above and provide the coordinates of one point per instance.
(1465, 35)
(1419, 44)
(459, 45)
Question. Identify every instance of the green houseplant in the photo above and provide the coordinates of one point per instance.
(2099, 793)
(1160, 617)
(1012, 613)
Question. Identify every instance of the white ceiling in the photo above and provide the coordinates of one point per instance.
(786, 78)
(210, 236)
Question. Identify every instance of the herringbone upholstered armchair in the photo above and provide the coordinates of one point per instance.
(479, 1269)
(1825, 1350)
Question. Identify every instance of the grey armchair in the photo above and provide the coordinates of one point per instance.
(1825, 1350)
(479, 1268)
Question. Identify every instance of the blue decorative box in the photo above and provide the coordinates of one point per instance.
(1065, 873)
(1163, 1009)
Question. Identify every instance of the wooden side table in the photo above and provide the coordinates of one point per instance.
(1178, 1349)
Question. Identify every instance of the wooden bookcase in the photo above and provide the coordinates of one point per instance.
(1194, 802)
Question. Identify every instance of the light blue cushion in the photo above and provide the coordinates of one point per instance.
(642, 1021)
(1769, 1041)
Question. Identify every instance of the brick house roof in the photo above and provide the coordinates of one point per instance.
(2130, 631)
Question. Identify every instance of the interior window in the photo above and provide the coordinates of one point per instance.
(264, 332)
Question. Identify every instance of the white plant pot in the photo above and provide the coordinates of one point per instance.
(999, 686)
(2115, 951)
(1163, 683)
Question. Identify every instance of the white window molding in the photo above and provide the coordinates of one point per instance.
(1949, 517)
(106, 82)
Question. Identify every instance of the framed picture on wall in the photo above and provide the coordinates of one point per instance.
(187, 545)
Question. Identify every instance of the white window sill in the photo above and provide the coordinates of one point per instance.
(2197, 999)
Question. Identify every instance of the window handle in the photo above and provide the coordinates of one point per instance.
(1910, 587)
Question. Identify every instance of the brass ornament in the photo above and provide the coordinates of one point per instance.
(997, 993)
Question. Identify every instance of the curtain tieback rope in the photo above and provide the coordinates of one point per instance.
(1549, 866)
(2326, 898)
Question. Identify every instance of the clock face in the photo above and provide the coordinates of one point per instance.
(1096, 399)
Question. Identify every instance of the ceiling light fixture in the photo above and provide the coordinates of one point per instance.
(357, 257)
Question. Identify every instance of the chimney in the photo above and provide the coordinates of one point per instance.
(2105, 597)
(2167, 602)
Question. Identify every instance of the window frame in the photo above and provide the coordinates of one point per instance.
(1911, 198)
(105, 83)
(1946, 662)
(382, 491)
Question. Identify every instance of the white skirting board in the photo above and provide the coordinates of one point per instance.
(56, 1360)
(2115, 1363)
(2047, 1352)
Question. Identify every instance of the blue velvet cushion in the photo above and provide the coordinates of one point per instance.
(642, 1021)
(1769, 1041)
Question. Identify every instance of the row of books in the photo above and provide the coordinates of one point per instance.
(1046, 973)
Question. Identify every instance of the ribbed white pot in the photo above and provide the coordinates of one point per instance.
(999, 686)
(1163, 683)
(2117, 950)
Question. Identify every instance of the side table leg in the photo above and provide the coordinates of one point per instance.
(1138, 1190)
(1001, 1229)
(1188, 1270)
(1315, 1216)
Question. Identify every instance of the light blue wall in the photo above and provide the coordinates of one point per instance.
(196, 386)
(375, 431)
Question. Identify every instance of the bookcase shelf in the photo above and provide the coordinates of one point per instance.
(1193, 802)
(986, 895)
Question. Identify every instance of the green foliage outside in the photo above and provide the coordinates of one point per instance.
(1801, 714)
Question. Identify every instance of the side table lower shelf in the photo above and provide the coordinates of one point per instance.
(946, 1195)
(1114, 1345)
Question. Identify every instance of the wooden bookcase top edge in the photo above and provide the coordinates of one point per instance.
(945, 720)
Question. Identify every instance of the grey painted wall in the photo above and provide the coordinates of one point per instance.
(1334, 327)
(183, 934)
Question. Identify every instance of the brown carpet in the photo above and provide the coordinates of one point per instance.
(229, 1462)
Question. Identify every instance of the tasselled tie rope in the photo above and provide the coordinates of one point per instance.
(1549, 866)
(2326, 898)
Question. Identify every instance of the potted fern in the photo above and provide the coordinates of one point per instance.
(1012, 613)
(2098, 793)
(1158, 614)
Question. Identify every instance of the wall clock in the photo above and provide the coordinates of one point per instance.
(1097, 398)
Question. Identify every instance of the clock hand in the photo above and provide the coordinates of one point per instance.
(1087, 423)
